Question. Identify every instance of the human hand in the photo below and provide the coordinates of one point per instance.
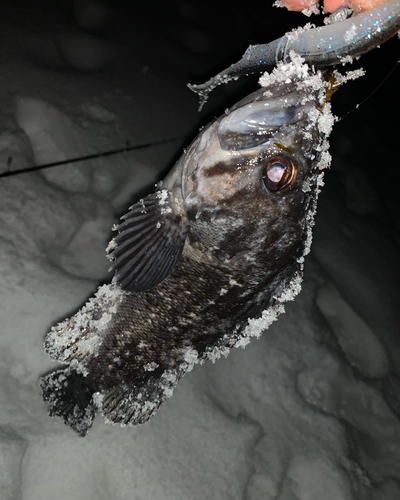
(331, 5)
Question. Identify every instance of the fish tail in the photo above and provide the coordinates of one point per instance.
(68, 395)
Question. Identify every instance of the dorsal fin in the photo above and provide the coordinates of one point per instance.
(149, 243)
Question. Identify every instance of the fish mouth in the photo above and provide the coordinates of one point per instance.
(256, 123)
(320, 47)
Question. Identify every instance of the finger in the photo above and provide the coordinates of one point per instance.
(356, 5)
(361, 5)
(332, 5)
(298, 5)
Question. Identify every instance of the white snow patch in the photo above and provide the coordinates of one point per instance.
(81, 335)
(191, 357)
(297, 71)
(312, 9)
(168, 382)
(350, 33)
(340, 78)
(217, 353)
(150, 367)
(326, 120)
(256, 327)
(112, 245)
(346, 60)
(162, 196)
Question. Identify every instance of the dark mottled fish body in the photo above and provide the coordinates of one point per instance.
(220, 241)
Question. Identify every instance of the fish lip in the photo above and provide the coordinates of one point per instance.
(259, 117)
(238, 134)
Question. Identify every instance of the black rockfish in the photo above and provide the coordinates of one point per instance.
(197, 262)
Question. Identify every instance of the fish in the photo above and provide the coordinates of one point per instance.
(202, 264)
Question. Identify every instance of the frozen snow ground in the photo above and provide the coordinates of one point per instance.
(308, 412)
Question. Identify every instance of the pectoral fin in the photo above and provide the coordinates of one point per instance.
(149, 243)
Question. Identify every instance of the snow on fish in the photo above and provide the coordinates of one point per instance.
(204, 263)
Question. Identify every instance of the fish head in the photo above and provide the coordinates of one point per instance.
(250, 178)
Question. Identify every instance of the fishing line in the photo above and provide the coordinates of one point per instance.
(34, 168)
(371, 94)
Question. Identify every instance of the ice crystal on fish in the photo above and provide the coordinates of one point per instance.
(162, 196)
(82, 333)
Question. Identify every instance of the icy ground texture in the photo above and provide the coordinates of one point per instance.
(302, 414)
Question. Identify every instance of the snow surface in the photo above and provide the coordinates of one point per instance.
(305, 413)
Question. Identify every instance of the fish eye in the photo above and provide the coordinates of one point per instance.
(278, 173)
